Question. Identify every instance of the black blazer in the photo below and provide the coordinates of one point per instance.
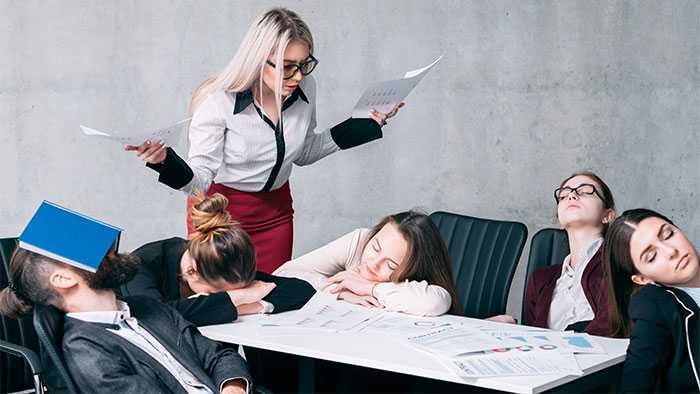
(159, 277)
(102, 361)
(664, 350)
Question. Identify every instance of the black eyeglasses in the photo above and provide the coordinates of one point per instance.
(289, 70)
(584, 189)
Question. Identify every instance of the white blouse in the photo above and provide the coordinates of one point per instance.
(414, 297)
(569, 303)
(235, 144)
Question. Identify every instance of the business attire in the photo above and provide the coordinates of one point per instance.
(237, 151)
(562, 298)
(664, 351)
(414, 297)
(146, 347)
(159, 277)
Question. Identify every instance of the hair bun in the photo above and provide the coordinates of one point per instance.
(209, 214)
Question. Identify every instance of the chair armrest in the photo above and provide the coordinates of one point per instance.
(26, 353)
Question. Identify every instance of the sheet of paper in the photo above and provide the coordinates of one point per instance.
(323, 311)
(450, 341)
(402, 325)
(566, 342)
(169, 135)
(383, 96)
(513, 362)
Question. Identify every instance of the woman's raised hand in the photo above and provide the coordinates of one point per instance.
(382, 118)
(150, 152)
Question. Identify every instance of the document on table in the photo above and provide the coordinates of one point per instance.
(451, 341)
(513, 362)
(402, 325)
(169, 135)
(323, 311)
(567, 342)
(383, 96)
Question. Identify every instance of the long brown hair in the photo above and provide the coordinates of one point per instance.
(29, 280)
(220, 247)
(619, 267)
(427, 258)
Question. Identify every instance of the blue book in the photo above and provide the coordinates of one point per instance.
(69, 236)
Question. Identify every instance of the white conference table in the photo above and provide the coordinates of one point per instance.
(382, 351)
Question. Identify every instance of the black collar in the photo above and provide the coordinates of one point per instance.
(245, 98)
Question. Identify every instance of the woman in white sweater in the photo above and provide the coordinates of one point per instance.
(401, 264)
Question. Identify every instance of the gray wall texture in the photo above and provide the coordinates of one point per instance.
(527, 93)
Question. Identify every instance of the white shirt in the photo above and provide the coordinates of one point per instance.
(569, 303)
(130, 330)
(240, 150)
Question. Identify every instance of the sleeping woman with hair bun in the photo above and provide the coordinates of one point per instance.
(211, 279)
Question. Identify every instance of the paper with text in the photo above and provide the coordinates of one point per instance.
(169, 135)
(323, 311)
(383, 96)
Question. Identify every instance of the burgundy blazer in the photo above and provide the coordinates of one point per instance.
(540, 289)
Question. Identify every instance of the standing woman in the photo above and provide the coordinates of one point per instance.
(250, 124)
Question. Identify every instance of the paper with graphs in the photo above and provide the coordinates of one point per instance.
(169, 135)
(383, 96)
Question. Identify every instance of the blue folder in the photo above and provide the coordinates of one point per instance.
(69, 236)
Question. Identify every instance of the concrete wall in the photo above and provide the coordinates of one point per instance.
(527, 93)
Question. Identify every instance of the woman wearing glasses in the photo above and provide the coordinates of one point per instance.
(250, 124)
(573, 295)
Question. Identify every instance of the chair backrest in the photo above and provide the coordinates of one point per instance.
(48, 322)
(548, 246)
(484, 256)
(15, 373)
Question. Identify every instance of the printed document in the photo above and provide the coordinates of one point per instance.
(451, 341)
(168, 135)
(323, 311)
(522, 360)
(383, 96)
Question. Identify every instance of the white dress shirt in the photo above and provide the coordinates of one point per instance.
(233, 145)
(569, 303)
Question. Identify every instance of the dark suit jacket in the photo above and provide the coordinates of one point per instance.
(664, 351)
(540, 290)
(101, 361)
(159, 277)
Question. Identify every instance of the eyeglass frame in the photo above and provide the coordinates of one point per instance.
(575, 190)
(298, 66)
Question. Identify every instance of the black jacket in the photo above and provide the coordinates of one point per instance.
(664, 350)
(159, 277)
(102, 361)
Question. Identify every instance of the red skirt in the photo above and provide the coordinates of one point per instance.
(265, 216)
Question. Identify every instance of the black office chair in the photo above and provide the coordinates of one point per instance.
(484, 256)
(20, 367)
(48, 323)
(548, 246)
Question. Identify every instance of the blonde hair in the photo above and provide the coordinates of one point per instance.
(221, 248)
(271, 31)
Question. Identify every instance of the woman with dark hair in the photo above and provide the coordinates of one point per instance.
(655, 291)
(573, 295)
(211, 279)
(401, 265)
